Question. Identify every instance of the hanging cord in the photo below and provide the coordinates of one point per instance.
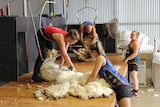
(34, 27)
(35, 31)
(40, 19)
(95, 17)
(67, 4)
(94, 22)
(38, 8)
(38, 46)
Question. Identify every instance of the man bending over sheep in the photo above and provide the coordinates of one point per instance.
(88, 33)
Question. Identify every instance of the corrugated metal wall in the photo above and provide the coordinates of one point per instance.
(140, 15)
(104, 8)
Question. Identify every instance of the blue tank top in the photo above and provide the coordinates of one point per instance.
(112, 76)
(86, 23)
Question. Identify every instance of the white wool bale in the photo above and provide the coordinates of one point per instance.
(48, 70)
(124, 39)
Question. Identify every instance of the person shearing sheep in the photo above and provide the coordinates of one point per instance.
(88, 33)
(46, 36)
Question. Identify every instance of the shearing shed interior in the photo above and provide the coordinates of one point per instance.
(80, 53)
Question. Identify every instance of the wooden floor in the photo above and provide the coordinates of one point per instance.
(20, 93)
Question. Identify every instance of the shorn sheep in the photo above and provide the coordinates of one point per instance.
(69, 83)
(82, 55)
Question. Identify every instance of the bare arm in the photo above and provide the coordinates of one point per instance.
(100, 61)
(62, 61)
(59, 38)
(81, 31)
(94, 34)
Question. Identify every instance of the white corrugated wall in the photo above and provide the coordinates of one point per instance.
(104, 8)
(140, 15)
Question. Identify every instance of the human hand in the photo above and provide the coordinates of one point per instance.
(60, 66)
(85, 46)
(72, 68)
(82, 84)
(125, 61)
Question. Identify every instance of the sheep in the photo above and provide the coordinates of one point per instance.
(68, 75)
(67, 82)
(49, 69)
(82, 55)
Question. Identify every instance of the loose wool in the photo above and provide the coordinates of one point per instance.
(69, 83)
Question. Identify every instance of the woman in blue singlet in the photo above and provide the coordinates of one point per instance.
(106, 70)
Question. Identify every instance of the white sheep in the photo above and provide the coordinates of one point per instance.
(82, 55)
(68, 75)
(49, 70)
(68, 82)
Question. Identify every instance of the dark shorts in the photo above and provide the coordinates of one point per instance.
(122, 91)
(132, 67)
